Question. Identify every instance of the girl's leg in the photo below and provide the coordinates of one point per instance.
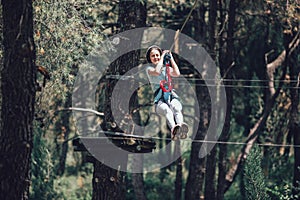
(177, 111)
(164, 110)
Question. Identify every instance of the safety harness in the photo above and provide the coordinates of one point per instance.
(164, 92)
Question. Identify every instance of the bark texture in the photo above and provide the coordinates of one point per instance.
(18, 77)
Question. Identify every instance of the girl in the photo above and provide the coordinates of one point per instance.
(166, 103)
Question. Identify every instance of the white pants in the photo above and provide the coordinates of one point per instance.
(172, 112)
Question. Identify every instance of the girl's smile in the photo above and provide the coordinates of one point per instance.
(154, 56)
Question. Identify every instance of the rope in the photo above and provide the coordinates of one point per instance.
(168, 80)
(186, 20)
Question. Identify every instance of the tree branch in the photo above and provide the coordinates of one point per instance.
(83, 110)
(271, 67)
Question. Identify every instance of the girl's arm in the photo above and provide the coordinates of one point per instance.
(175, 69)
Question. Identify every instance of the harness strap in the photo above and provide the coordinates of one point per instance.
(166, 97)
(166, 85)
(159, 94)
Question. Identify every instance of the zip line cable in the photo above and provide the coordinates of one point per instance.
(186, 140)
(124, 77)
(178, 79)
(239, 80)
(234, 86)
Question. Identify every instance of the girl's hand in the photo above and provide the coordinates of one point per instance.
(167, 51)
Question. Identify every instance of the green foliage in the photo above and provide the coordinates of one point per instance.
(254, 178)
(281, 193)
(155, 187)
(235, 191)
(65, 32)
(75, 187)
(280, 177)
(42, 169)
(159, 189)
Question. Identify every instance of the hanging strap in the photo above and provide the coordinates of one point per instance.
(166, 85)
(186, 20)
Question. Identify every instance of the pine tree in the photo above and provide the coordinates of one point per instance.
(254, 177)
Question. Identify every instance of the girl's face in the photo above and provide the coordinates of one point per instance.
(155, 56)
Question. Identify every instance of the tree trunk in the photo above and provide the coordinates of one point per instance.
(109, 183)
(139, 19)
(295, 120)
(138, 186)
(210, 189)
(210, 179)
(194, 185)
(226, 60)
(199, 23)
(18, 78)
(64, 127)
(178, 180)
(195, 180)
(138, 180)
(137, 162)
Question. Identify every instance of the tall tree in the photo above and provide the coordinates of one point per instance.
(295, 120)
(138, 20)
(18, 78)
(226, 60)
(194, 184)
(132, 14)
(210, 179)
(195, 180)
